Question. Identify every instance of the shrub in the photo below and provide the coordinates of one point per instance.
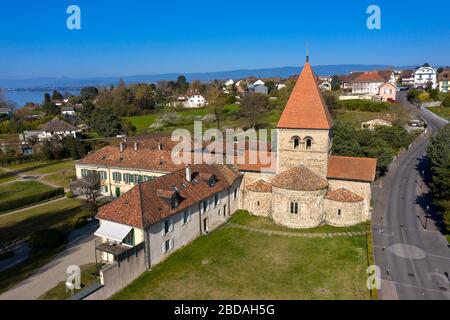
(424, 96)
(413, 94)
(69, 195)
(81, 222)
(363, 105)
(23, 202)
(47, 239)
(446, 102)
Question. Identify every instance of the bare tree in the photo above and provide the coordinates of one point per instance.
(89, 187)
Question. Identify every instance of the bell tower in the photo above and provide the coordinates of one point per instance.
(304, 128)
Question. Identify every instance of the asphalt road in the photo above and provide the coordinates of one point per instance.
(414, 262)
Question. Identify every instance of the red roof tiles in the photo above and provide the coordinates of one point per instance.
(306, 108)
(343, 195)
(351, 168)
(147, 203)
(299, 179)
(260, 186)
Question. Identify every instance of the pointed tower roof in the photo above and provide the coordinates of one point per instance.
(306, 108)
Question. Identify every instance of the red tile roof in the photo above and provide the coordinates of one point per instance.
(144, 159)
(57, 125)
(351, 168)
(147, 204)
(372, 76)
(306, 108)
(343, 195)
(260, 186)
(299, 179)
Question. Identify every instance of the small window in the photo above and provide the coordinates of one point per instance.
(308, 143)
(167, 245)
(216, 200)
(168, 226)
(294, 207)
(235, 194)
(296, 142)
(257, 203)
(339, 212)
(117, 176)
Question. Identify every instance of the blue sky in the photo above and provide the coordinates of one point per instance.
(120, 38)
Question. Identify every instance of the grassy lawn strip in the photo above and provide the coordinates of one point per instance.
(6, 177)
(244, 218)
(443, 112)
(232, 263)
(88, 277)
(20, 194)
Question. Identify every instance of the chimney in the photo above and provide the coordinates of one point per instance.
(122, 146)
(188, 173)
(136, 146)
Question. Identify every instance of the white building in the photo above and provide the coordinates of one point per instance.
(425, 75)
(68, 111)
(195, 101)
(52, 129)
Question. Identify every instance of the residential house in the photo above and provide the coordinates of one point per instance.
(68, 111)
(257, 87)
(53, 128)
(367, 83)
(407, 78)
(444, 80)
(424, 76)
(387, 92)
(195, 101)
(5, 113)
(324, 85)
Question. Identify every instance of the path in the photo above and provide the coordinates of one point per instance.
(297, 234)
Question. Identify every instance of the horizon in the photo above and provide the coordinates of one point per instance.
(121, 40)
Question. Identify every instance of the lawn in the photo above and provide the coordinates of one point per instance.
(61, 214)
(142, 123)
(56, 172)
(443, 112)
(20, 190)
(5, 177)
(88, 277)
(232, 263)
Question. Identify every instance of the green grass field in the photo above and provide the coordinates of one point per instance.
(61, 214)
(142, 123)
(21, 189)
(232, 263)
(5, 177)
(443, 112)
(56, 172)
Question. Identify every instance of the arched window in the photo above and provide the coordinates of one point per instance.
(294, 207)
(308, 143)
(296, 142)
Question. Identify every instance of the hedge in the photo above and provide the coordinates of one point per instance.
(6, 161)
(363, 105)
(23, 202)
(47, 239)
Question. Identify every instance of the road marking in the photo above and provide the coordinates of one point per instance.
(421, 288)
(411, 262)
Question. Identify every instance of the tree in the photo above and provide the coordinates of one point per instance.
(216, 103)
(89, 187)
(57, 96)
(271, 87)
(88, 93)
(335, 83)
(446, 102)
(145, 97)
(253, 106)
(105, 122)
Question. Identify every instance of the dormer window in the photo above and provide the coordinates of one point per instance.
(212, 181)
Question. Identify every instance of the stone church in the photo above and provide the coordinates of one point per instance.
(310, 186)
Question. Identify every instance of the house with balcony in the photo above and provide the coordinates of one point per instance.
(425, 76)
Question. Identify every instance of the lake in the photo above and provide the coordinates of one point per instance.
(20, 98)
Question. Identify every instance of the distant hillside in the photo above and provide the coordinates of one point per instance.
(283, 72)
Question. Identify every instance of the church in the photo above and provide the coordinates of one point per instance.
(310, 186)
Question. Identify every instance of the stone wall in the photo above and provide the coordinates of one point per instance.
(360, 188)
(311, 208)
(258, 203)
(341, 214)
(315, 159)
